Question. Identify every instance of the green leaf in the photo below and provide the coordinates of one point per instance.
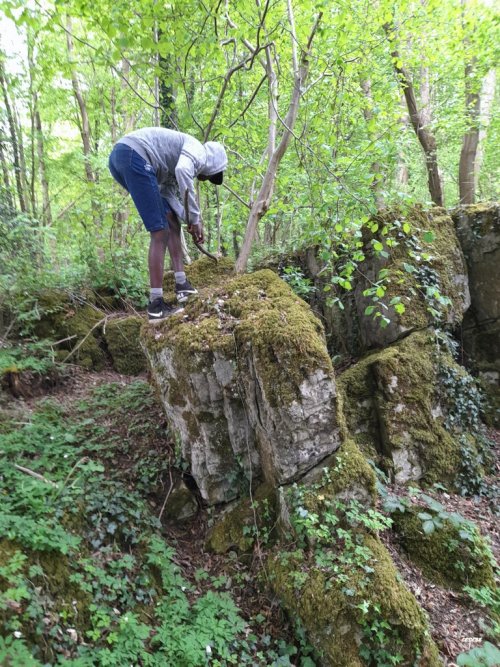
(428, 527)
(429, 237)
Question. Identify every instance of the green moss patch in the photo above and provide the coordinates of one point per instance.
(257, 309)
(409, 407)
(64, 316)
(449, 549)
(241, 526)
(122, 338)
(341, 607)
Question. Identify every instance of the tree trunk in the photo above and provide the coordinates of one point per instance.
(168, 109)
(470, 142)
(13, 140)
(6, 180)
(263, 199)
(84, 117)
(487, 97)
(417, 119)
(47, 211)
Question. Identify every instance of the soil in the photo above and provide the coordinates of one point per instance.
(456, 622)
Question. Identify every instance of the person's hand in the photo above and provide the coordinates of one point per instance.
(196, 232)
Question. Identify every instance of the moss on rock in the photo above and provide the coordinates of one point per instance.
(345, 475)
(454, 554)
(65, 316)
(245, 368)
(432, 237)
(395, 408)
(240, 526)
(122, 338)
(338, 611)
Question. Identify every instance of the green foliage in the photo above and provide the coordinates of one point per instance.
(86, 577)
(37, 357)
(301, 285)
(486, 655)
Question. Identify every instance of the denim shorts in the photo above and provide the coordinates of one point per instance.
(137, 176)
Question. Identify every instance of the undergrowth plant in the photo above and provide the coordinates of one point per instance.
(332, 534)
(86, 577)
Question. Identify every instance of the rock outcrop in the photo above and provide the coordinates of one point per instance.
(74, 320)
(478, 229)
(247, 382)
(122, 339)
(405, 407)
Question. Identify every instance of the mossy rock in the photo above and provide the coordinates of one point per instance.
(445, 269)
(345, 475)
(239, 527)
(53, 585)
(454, 554)
(122, 338)
(247, 381)
(181, 505)
(202, 273)
(67, 316)
(330, 609)
(395, 409)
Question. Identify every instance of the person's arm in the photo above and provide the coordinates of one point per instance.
(184, 175)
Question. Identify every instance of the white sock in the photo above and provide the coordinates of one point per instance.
(155, 292)
(180, 277)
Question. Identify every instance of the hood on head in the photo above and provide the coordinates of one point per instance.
(216, 158)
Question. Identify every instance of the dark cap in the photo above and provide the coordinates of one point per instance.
(216, 179)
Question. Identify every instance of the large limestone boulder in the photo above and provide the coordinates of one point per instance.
(426, 273)
(410, 407)
(337, 577)
(478, 229)
(247, 383)
(415, 262)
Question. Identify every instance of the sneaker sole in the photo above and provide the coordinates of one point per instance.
(185, 296)
(154, 317)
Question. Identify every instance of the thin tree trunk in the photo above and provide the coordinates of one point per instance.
(5, 174)
(46, 214)
(487, 97)
(402, 174)
(47, 211)
(470, 142)
(168, 109)
(13, 139)
(263, 200)
(84, 117)
(22, 158)
(423, 133)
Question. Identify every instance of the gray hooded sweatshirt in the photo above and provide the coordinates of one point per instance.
(177, 159)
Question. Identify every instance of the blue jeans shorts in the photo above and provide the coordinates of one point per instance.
(137, 176)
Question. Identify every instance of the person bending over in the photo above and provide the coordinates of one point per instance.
(154, 164)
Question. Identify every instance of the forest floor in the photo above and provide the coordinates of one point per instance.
(457, 623)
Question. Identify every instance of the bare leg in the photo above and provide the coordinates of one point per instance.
(174, 243)
(156, 258)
